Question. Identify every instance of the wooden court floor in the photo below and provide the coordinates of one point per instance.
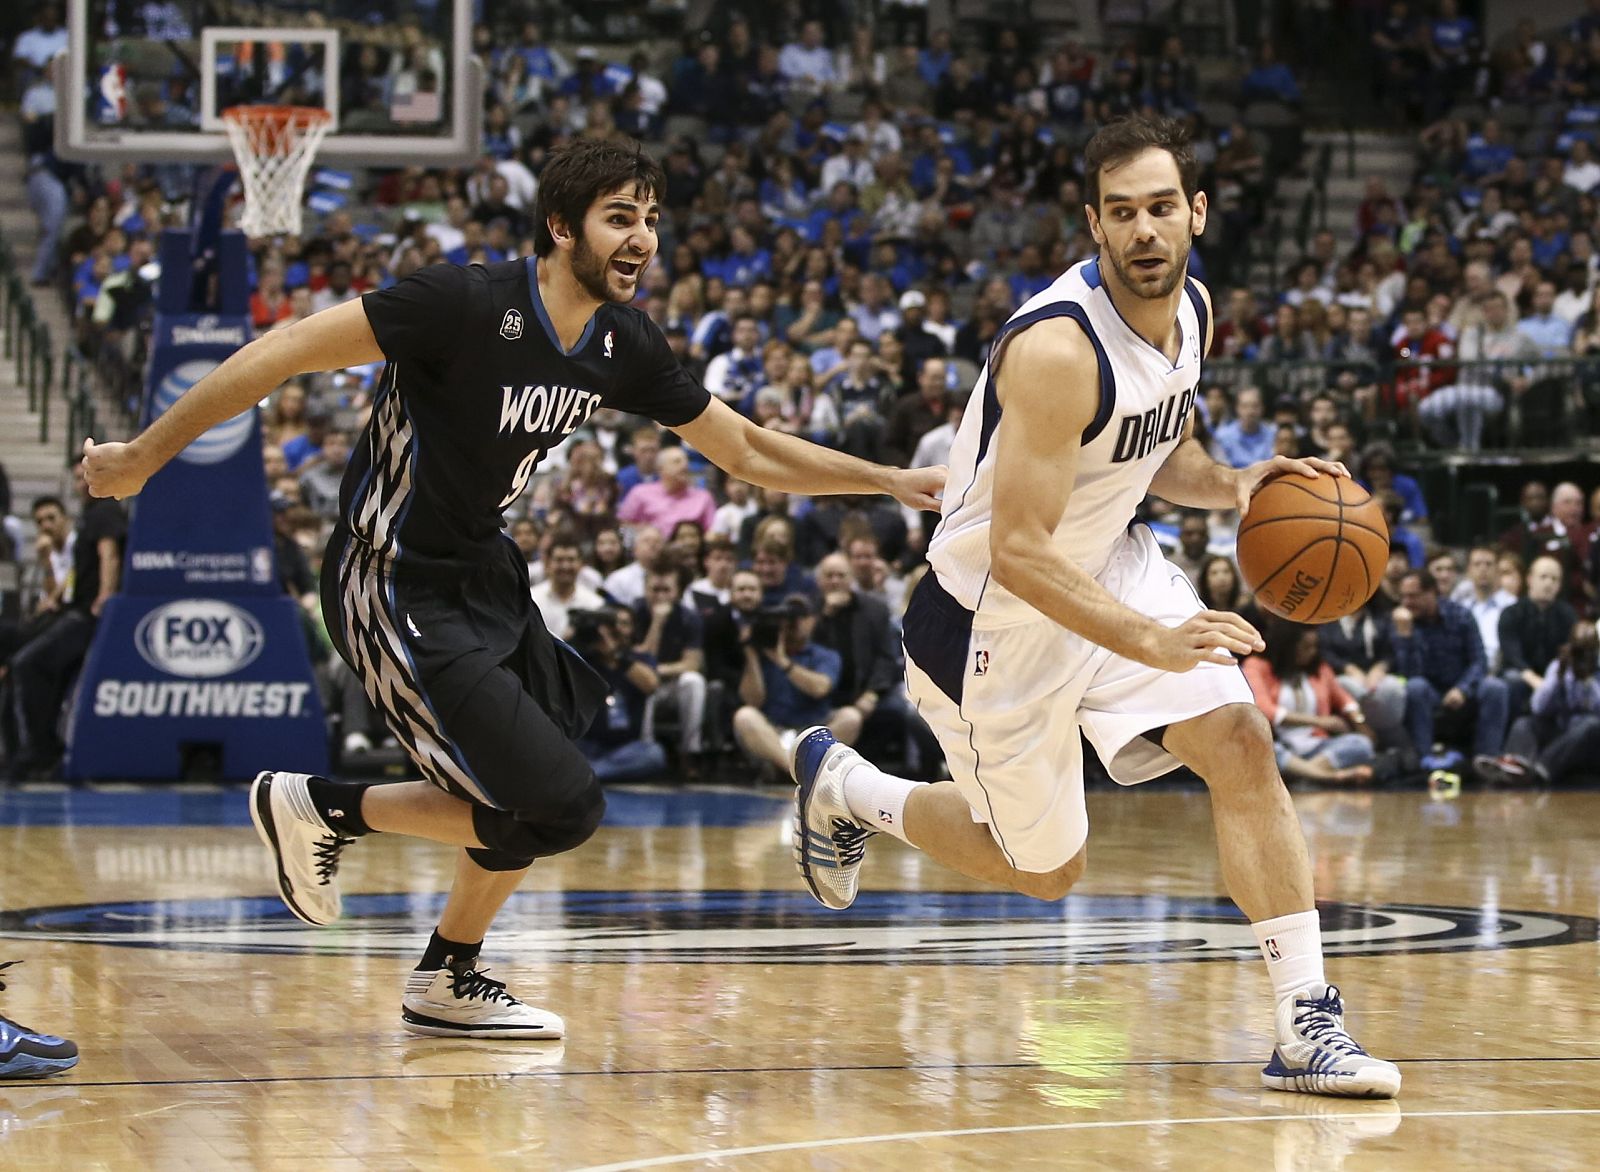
(717, 1018)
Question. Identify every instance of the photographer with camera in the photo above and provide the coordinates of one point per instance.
(615, 745)
(786, 682)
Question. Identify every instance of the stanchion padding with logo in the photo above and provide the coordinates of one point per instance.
(201, 656)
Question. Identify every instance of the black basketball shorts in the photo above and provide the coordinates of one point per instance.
(459, 663)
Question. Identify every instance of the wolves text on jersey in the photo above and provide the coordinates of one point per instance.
(541, 410)
(1139, 435)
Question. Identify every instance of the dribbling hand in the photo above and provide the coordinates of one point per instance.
(112, 470)
(1212, 636)
(1251, 478)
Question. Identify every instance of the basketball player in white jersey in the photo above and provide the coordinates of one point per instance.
(1047, 611)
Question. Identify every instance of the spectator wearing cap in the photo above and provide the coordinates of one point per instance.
(920, 342)
(808, 64)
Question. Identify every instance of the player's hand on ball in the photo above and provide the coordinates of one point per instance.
(1212, 636)
(1251, 478)
(920, 488)
(112, 470)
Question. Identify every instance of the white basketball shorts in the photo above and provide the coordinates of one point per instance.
(1007, 703)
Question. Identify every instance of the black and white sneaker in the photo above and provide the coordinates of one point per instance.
(459, 1001)
(305, 849)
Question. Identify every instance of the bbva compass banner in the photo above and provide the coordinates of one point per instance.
(201, 653)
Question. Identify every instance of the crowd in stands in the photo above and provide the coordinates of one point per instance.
(852, 213)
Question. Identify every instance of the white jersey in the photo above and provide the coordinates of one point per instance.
(1145, 402)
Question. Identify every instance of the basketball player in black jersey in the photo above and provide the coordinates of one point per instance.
(488, 368)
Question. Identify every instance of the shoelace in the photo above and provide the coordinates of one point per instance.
(5, 965)
(472, 984)
(851, 840)
(1318, 1020)
(327, 853)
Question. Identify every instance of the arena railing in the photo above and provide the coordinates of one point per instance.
(1447, 407)
(27, 338)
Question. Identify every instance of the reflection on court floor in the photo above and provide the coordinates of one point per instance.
(716, 1013)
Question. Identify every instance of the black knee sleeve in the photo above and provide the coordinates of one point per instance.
(514, 838)
(491, 860)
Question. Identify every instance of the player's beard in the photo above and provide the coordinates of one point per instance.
(593, 273)
(1135, 281)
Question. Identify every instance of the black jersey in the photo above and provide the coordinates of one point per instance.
(476, 390)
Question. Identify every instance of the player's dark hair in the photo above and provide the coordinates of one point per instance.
(1118, 142)
(579, 174)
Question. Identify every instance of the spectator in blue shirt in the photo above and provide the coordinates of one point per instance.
(1270, 81)
(1378, 475)
(1246, 439)
(934, 61)
(1452, 35)
(786, 682)
(1438, 650)
(1487, 156)
(1552, 334)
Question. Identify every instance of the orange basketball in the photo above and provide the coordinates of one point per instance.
(1313, 550)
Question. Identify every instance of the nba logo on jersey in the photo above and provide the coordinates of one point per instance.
(511, 326)
(113, 105)
(608, 343)
(981, 665)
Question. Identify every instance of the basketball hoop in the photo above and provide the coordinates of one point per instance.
(274, 146)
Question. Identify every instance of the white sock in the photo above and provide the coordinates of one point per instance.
(877, 799)
(1292, 947)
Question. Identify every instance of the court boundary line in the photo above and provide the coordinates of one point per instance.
(1024, 1128)
(649, 1072)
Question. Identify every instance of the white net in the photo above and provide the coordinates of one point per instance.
(274, 147)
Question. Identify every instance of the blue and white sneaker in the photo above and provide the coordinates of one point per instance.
(26, 1053)
(1315, 1055)
(829, 844)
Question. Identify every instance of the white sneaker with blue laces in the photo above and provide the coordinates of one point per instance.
(1315, 1055)
(829, 843)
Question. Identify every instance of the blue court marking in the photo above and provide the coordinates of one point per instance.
(227, 806)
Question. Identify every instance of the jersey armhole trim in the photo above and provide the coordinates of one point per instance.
(1193, 290)
(1108, 384)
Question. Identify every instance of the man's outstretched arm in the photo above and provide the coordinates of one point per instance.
(772, 459)
(330, 340)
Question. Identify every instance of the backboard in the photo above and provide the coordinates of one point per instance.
(147, 82)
